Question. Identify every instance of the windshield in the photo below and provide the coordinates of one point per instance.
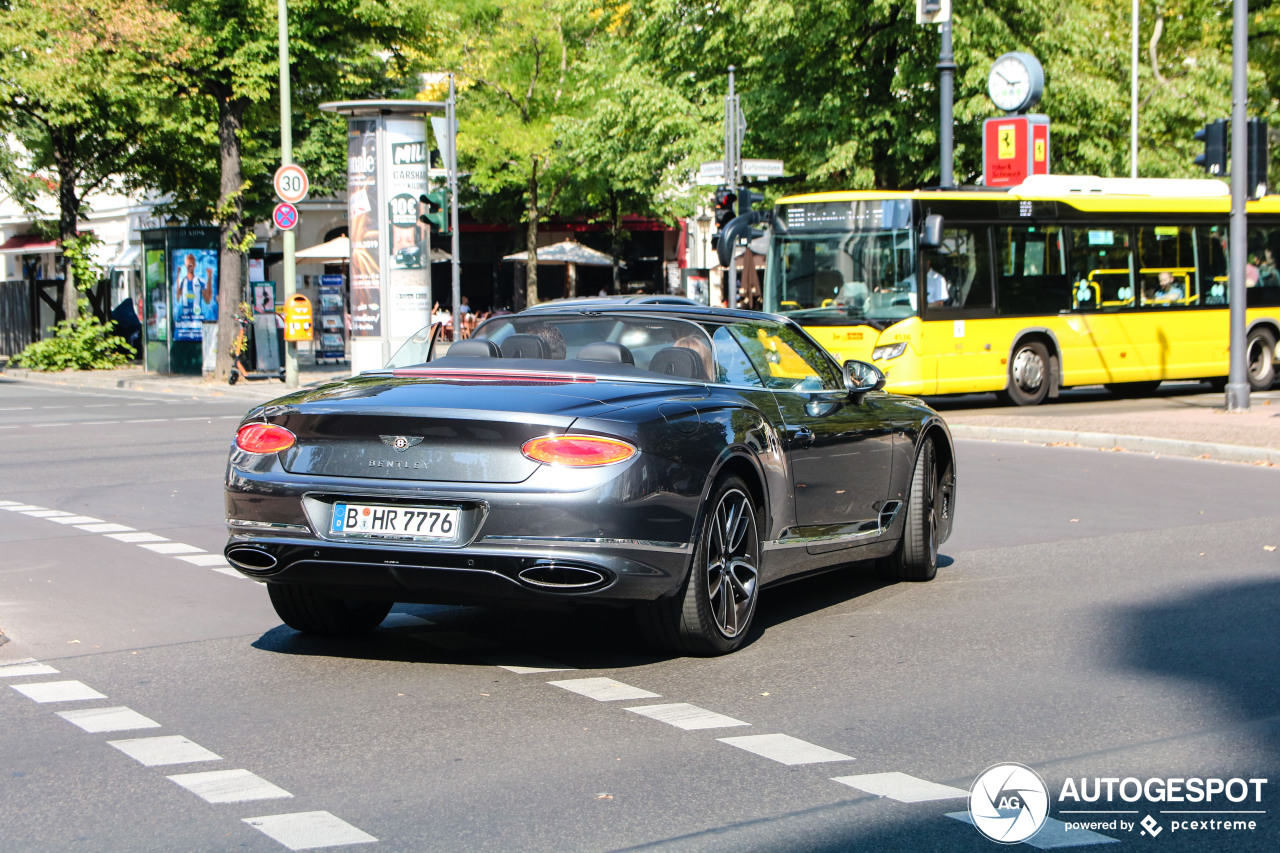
(865, 273)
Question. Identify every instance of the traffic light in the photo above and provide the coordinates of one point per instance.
(1214, 158)
(747, 200)
(1258, 161)
(725, 199)
(437, 215)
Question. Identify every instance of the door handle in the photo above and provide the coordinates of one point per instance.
(802, 437)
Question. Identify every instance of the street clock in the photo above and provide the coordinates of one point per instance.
(1016, 82)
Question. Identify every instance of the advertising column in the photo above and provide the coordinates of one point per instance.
(366, 246)
(408, 242)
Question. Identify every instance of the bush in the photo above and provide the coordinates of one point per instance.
(82, 344)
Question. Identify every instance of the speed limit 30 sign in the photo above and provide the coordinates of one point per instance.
(291, 183)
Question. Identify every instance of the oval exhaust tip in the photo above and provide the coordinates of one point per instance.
(254, 561)
(561, 576)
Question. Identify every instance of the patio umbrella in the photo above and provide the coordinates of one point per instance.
(570, 253)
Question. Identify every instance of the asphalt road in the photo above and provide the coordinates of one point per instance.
(1097, 615)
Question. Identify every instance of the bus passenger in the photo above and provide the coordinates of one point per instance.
(1168, 291)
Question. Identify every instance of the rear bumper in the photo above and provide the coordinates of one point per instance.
(608, 541)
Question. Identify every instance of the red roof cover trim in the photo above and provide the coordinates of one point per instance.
(522, 376)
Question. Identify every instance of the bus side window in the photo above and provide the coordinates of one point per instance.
(1030, 278)
(1167, 266)
(1211, 264)
(1102, 268)
(964, 262)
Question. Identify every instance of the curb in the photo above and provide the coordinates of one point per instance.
(1136, 443)
(270, 389)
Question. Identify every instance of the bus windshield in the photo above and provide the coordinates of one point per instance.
(837, 263)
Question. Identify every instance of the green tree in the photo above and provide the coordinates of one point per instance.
(82, 88)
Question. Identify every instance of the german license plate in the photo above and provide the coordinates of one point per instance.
(434, 523)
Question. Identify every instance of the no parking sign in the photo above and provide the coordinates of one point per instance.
(285, 216)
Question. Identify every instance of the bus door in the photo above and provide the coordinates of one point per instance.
(1105, 291)
(1178, 340)
(959, 303)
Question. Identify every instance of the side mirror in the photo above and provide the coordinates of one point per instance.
(931, 232)
(861, 377)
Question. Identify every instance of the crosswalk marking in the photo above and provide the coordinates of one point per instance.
(682, 715)
(166, 749)
(604, 689)
(58, 691)
(309, 830)
(230, 786)
(118, 719)
(28, 666)
(901, 787)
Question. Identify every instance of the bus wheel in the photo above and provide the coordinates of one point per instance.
(1127, 390)
(1028, 374)
(1261, 356)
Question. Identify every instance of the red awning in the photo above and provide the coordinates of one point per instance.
(28, 244)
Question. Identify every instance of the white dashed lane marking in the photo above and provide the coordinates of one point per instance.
(682, 715)
(785, 749)
(58, 691)
(230, 786)
(309, 830)
(205, 560)
(47, 513)
(1052, 835)
(27, 666)
(119, 719)
(166, 749)
(107, 527)
(171, 548)
(901, 787)
(77, 519)
(136, 537)
(604, 689)
(522, 664)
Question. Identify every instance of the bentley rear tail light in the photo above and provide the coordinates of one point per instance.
(263, 438)
(578, 451)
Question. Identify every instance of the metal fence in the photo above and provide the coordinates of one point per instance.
(16, 328)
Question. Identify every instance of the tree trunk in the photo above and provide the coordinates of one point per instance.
(68, 216)
(531, 239)
(231, 221)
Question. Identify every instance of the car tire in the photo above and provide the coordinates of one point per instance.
(1129, 390)
(712, 613)
(916, 556)
(1028, 374)
(312, 612)
(1261, 355)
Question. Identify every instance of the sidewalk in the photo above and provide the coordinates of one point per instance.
(1195, 427)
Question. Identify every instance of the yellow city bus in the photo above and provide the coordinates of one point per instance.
(1062, 281)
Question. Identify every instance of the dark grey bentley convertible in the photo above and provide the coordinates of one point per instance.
(671, 459)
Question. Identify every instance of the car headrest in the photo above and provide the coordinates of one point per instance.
(525, 346)
(678, 361)
(476, 348)
(606, 351)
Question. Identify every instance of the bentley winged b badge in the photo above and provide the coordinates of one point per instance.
(401, 442)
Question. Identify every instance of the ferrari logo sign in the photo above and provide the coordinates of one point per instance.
(1014, 148)
(1007, 142)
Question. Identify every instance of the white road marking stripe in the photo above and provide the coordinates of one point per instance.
(78, 519)
(136, 537)
(17, 408)
(1052, 835)
(401, 620)
(901, 787)
(108, 719)
(4, 504)
(309, 830)
(172, 548)
(58, 691)
(104, 528)
(682, 715)
(230, 786)
(97, 423)
(147, 421)
(167, 749)
(29, 666)
(22, 507)
(205, 560)
(604, 689)
(522, 664)
(785, 749)
(230, 571)
(47, 513)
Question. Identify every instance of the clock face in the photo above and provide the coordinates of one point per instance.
(1015, 82)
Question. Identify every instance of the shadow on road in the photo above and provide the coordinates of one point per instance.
(582, 638)
(1227, 642)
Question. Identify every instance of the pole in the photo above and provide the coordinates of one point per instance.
(451, 163)
(1133, 95)
(947, 68)
(731, 152)
(286, 157)
(1238, 375)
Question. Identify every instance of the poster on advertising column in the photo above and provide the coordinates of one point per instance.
(409, 277)
(365, 231)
